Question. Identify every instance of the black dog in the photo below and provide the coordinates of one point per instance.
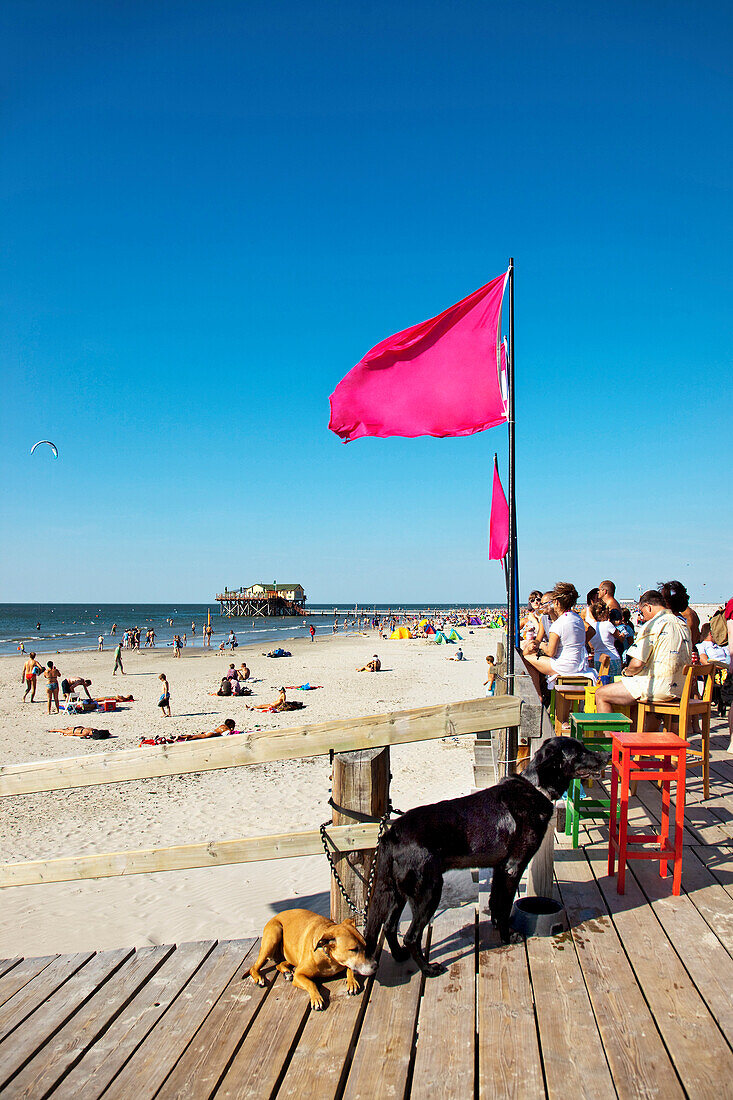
(500, 827)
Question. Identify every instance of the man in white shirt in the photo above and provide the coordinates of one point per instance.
(710, 651)
(662, 648)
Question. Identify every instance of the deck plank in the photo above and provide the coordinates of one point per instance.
(381, 1063)
(27, 969)
(8, 964)
(202, 1064)
(700, 1054)
(91, 1076)
(571, 1046)
(444, 1058)
(636, 1054)
(508, 1049)
(259, 1062)
(319, 1062)
(38, 989)
(46, 1068)
(155, 1058)
(43, 1024)
(702, 954)
(719, 861)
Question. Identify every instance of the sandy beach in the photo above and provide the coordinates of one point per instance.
(224, 902)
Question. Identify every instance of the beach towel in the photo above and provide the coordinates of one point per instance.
(302, 687)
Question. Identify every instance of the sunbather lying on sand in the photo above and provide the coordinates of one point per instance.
(281, 703)
(226, 727)
(84, 731)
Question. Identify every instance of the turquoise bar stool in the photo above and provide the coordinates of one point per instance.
(596, 731)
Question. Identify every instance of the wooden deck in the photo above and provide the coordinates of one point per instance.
(635, 1001)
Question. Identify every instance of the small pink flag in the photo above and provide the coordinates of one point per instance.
(499, 522)
(440, 378)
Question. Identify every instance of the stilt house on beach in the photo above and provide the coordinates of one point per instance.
(262, 600)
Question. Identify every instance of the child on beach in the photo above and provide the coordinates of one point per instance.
(165, 700)
(490, 681)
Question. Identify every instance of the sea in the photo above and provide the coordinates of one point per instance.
(44, 628)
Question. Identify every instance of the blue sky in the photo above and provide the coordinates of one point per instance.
(212, 211)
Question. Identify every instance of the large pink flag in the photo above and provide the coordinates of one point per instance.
(499, 522)
(441, 377)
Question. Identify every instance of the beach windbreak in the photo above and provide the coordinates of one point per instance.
(440, 378)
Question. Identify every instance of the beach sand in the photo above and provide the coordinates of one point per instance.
(223, 902)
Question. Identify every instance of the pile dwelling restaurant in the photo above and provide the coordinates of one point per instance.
(262, 599)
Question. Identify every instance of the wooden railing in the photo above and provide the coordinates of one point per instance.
(474, 716)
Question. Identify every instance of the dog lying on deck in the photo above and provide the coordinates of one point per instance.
(306, 945)
(501, 827)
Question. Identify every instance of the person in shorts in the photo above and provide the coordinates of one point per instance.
(165, 699)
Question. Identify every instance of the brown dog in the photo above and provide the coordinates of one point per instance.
(306, 946)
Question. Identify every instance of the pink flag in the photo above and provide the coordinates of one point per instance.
(440, 377)
(499, 522)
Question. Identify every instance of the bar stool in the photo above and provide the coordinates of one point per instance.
(568, 694)
(595, 731)
(658, 756)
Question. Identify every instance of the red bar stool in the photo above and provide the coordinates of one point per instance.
(658, 756)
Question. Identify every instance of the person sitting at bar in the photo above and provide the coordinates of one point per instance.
(564, 653)
(657, 659)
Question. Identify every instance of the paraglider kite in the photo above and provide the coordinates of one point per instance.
(53, 446)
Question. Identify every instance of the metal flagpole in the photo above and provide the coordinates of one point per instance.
(513, 578)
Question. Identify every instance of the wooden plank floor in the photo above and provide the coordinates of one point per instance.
(636, 1000)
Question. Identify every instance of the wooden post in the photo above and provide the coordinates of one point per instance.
(360, 786)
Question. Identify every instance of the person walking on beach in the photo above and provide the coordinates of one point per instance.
(100, 643)
(312, 631)
(176, 645)
(118, 661)
(52, 685)
(30, 671)
(113, 631)
(165, 699)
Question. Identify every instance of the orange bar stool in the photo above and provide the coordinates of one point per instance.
(657, 756)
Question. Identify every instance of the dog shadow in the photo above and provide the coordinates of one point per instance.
(318, 903)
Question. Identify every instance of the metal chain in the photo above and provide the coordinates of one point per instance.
(360, 914)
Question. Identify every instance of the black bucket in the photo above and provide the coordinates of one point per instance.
(538, 917)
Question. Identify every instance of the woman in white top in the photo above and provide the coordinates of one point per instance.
(564, 652)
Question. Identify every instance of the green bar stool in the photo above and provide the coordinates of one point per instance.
(596, 731)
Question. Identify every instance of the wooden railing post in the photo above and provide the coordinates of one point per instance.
(360, 790)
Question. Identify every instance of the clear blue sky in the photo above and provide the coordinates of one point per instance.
(210, 211)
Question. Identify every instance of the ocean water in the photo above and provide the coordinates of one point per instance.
(46, 628)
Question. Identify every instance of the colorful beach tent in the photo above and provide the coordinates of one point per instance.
(454, 636)
(440, 637)
(429, 629)
(474, 621)
(401, 632)
(422, 623)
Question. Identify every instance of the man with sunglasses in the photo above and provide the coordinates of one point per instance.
(662, 648)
